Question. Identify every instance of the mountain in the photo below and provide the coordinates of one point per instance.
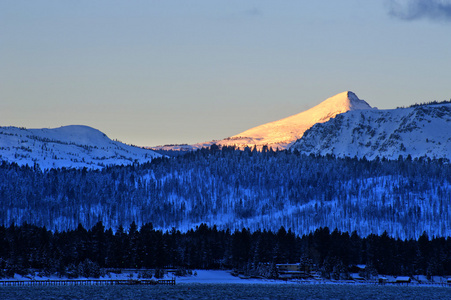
(282, 133)
(422, 130)
(68, 146)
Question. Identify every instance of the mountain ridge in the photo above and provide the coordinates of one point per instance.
(69, 146)
(420, 131)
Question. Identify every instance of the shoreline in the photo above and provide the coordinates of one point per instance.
(215, 277)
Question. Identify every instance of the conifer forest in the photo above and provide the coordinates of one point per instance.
(227, 208)
(90, 253)
(235, 189)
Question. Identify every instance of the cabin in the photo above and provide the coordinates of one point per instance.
(402, 280)
(357, 277)
(357, 268)
(382, 280)
(290, 271)
(288, 267)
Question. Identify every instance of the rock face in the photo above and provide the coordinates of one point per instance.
(416, 131)
(69, 146)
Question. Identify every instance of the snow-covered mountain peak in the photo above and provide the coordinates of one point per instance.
(356, 103)
(68, 146)
(282, 133)
(78, 134)
(329, 108)
(340, 103)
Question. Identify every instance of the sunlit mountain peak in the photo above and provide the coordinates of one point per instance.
(282, 133)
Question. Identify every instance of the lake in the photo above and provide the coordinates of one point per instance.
(227, 291)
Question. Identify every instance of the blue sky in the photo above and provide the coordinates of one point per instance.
(159, 72)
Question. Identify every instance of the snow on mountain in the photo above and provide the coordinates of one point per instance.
(417, 131)
(282, 133)
(68, 146)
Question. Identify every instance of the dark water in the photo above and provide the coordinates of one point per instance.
(227, 291)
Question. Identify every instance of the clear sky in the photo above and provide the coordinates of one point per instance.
(163, 72)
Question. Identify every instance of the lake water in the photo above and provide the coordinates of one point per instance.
(227, 291)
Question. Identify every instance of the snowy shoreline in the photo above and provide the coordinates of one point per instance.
(225, 277)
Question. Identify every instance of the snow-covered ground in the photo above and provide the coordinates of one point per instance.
(225, 277)
(220, 277)
(202, 276)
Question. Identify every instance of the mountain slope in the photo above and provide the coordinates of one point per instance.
(69, 146)
(282, 133)
(238, 189)
(417, 131)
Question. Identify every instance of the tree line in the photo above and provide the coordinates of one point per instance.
(82, 252)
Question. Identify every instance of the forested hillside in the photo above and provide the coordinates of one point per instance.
(235, 189)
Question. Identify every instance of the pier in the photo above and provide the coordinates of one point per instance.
(70, 282)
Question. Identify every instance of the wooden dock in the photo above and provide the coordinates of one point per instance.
(70, 282)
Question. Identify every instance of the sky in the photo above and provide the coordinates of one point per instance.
(150, 73)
